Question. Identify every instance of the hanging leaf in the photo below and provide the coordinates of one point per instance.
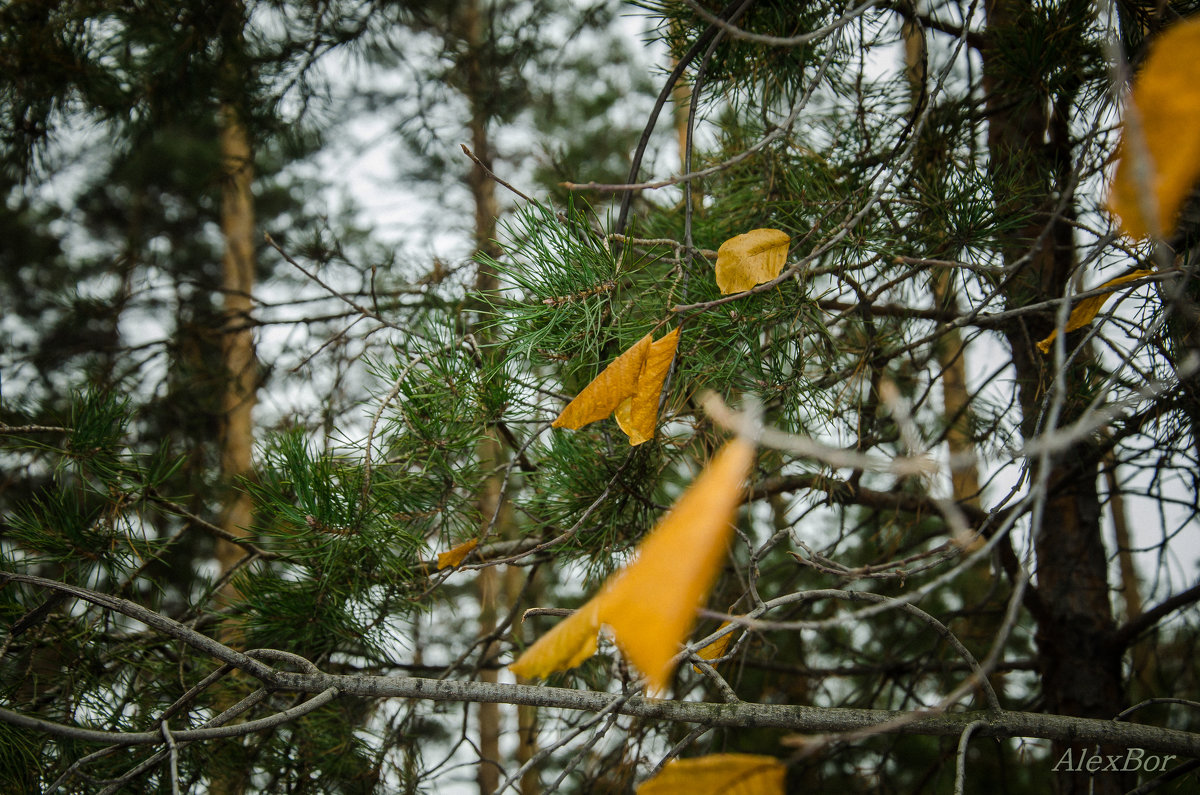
(651, 604)
(749, 259)
(455, 555)
(629, 387)
(1166, 97)
(717, 648)
(719, 774)
(1086, 310)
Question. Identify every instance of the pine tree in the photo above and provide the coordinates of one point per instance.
(598, 367)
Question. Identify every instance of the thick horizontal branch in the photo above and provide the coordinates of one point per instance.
(813, 720)
(821, 720)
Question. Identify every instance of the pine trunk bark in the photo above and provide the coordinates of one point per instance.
(240, 382)
(490, 450)
(1030, 162)
(237, 345)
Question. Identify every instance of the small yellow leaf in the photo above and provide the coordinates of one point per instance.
(1086, 310)
(455, 555)
(749, 259)
(717, 648)
(719, 774)
(1166, 97)
(638, 414)
(571, 642)
(651, 604)
(629, 388)
(615, 383)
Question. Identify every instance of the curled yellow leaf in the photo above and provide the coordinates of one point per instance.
(719, 774)
(717, 648)
(629, 388)
(1086, 310)
(750, 259)
(1166, 97)
(455, 555)
(651, 604)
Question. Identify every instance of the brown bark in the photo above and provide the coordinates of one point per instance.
(1030, 160)
(1141, 674)
(964, 474)
(490, 450)
(237, 345)
(980, 627)
(240, 381)
(956, 399)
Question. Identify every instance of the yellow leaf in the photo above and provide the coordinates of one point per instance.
(571, 642)
(1086, 310)
(1166, 97)
(455, 555)
(629, 388)
(651, 604)
(749, 259)
(719, 774)
(615, 383)
(717, 648)
(638, 414)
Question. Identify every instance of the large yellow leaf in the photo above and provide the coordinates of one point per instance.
(751, 258)
(629, 388)
(719, 774)
(651, 604)
(456, 555)
(1166, 97)
(1086, 310)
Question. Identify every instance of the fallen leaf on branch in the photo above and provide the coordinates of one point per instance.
(1160, 166)
(751, 259)
(629, 387)
(455, 555)
(1086, 310)
(650, 605)
(719, 774)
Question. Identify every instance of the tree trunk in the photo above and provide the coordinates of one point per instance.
(490, 450)
(237, 343)
(1030, 161)
(240, 381)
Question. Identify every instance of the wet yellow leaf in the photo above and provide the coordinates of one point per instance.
(749, 259)
(571, 642)
(629, 388)
(717, 648)
(651, 604)
(1166, 97)
(719, 774)
(1086, 310)
(455, 555)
